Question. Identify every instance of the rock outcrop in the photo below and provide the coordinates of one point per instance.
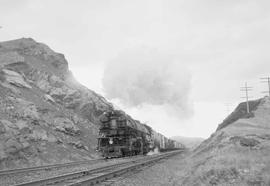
(45, 115)
(238, 152)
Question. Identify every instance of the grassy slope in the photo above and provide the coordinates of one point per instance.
(236, 154)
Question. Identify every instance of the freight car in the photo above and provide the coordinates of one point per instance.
(120, 135)
(163, 143)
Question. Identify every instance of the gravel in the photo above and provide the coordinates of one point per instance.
(166, 173)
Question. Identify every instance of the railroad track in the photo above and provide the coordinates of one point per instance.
(15, 176)
(52, 166)
(46, 167)
(97, 175)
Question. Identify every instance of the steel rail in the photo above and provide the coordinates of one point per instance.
(91, 176)
(51, 166)
(60, 178)
(45, 167)
(96, 179)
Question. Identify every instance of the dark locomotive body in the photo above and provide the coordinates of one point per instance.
(121, 136)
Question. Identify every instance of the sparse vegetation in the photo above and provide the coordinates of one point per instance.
(231, 165)
(236, 154)
(2, 76)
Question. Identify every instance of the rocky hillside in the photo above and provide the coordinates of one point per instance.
(238, 153)
(45, 115)
(189, 142)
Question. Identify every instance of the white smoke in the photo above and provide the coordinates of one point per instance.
(144, 76)
(153, 152)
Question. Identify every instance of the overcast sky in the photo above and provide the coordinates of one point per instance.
(174, 64)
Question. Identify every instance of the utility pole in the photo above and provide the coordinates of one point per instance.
(246, 89)
(266, 80)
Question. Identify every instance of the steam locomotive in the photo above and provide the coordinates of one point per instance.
(120, 135)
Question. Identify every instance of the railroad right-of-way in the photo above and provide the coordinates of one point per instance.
(91, 175)
(21, 175)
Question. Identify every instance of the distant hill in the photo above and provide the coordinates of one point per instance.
(238, 153)
(189, 142)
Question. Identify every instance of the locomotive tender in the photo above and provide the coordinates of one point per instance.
(120, 135)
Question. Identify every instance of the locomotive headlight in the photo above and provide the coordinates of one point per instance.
(111, 141)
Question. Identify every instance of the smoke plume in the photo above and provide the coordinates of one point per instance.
(137, 77)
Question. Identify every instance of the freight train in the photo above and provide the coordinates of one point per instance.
(120, 135)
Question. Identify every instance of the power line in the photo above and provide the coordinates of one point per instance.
(246, 89)
(268, 82)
